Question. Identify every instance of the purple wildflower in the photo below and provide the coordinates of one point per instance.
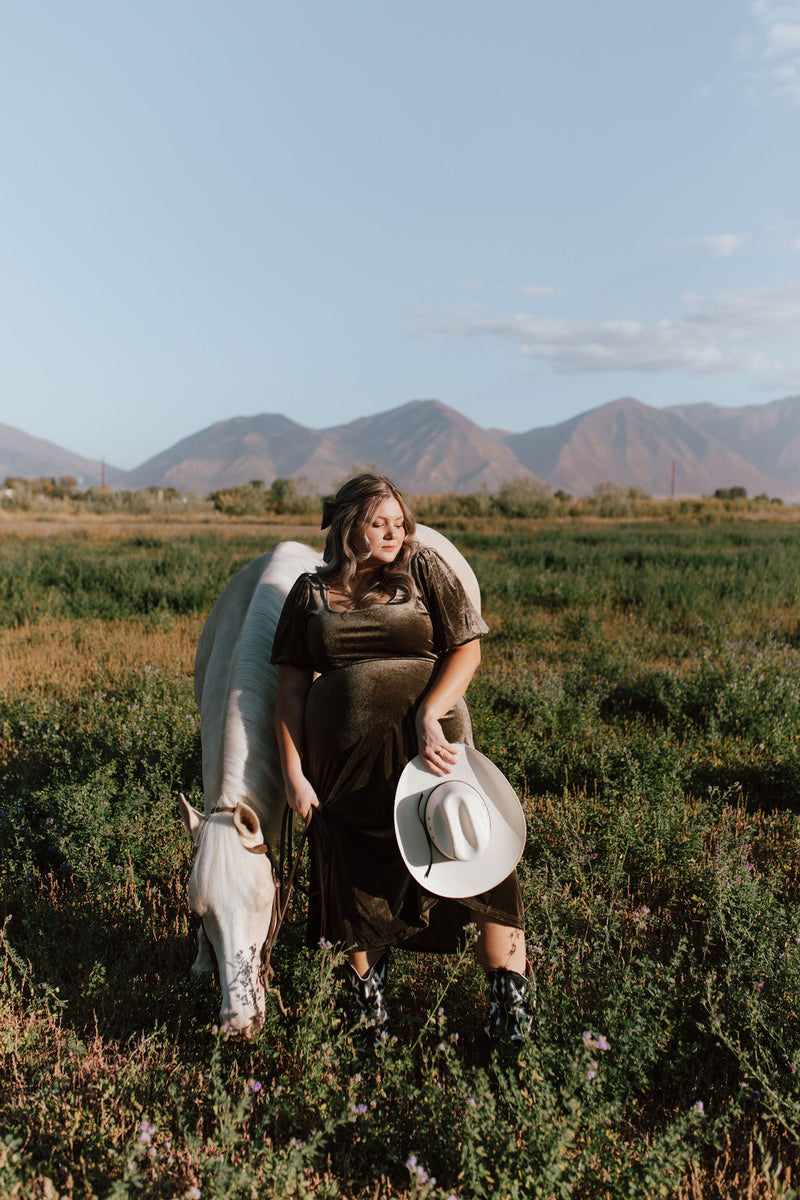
(146, 1131)
(418, 1170)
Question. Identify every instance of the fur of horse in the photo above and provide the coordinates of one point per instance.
(232, 888)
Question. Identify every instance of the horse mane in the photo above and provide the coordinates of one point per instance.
(237, 684)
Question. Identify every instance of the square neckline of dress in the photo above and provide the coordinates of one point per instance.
(325, 589)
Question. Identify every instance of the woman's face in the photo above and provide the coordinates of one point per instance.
(385, 533)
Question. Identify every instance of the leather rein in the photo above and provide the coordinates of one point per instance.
(283, 891)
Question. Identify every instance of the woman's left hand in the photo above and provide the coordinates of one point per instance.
(433, 747)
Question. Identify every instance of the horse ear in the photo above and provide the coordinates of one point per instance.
(247, 824)
(192, 819)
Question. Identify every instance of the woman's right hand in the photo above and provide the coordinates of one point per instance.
(301, 798)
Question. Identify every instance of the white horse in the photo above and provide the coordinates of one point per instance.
(232, 887)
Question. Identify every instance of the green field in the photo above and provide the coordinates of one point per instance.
(640, 687)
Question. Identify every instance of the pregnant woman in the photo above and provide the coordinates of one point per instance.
(376, 650)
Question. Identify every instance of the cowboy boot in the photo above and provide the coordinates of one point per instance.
(367, 991)
(511, 1004)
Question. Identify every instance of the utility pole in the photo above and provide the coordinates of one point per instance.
(672, 482)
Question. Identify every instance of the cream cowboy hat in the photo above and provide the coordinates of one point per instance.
(461, 833)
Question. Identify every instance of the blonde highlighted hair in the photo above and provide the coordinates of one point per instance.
(346, 547)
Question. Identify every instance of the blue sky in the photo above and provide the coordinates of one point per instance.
(326, 210)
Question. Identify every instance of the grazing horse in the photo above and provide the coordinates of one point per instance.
(232, 886)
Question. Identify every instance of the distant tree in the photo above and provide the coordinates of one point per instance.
(475, 504)
(610, 500)
(248, 500)
(17, 494)
(101, 499)
(433, 506)
(525, 497)
(731, 493)
(282, 495)
(292, 497)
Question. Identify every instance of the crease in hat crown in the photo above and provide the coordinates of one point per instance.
(457, 820)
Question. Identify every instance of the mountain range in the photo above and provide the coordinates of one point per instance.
(425, 446)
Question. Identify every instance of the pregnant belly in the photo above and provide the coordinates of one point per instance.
(365, 701)
(359, 734)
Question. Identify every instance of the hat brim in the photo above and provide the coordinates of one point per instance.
(449, 877)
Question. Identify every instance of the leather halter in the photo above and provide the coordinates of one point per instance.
(262, 848)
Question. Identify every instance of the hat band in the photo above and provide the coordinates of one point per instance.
(421, 811)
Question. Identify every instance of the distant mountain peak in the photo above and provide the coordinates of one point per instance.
(23, 456)
(428, 446)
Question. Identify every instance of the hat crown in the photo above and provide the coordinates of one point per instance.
(458, 821)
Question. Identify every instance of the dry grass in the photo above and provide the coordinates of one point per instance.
(736, 1175)
(67, 654)
(108, 527)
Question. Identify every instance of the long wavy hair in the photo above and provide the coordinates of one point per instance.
(346, 547)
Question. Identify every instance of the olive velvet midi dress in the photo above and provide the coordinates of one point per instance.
(372, 666)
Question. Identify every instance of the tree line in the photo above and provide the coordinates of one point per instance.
(521, 498)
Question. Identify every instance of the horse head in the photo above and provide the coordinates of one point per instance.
(232, 890)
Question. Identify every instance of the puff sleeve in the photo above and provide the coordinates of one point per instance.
(290, 644)
(455, 618)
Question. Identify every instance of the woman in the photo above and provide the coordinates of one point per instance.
(394, 640)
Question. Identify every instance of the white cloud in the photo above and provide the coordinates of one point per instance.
(721, 245)
(783, 40)
(717, 335)
(715, 245)
(773, 50)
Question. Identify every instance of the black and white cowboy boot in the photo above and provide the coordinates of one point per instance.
(367, 990)
(511, 1004)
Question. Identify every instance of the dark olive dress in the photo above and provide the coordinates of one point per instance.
(374, 665)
